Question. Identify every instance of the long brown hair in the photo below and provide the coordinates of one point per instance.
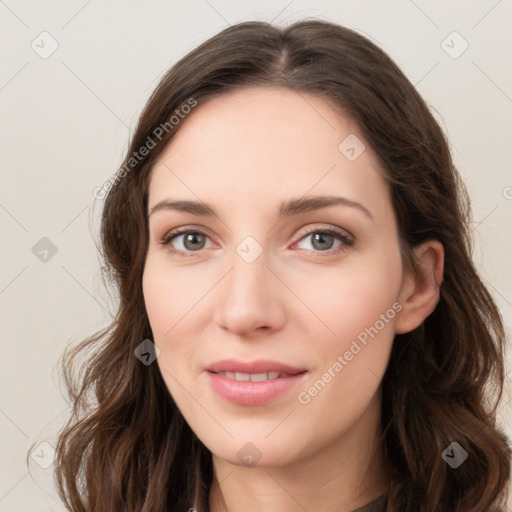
(126, 446)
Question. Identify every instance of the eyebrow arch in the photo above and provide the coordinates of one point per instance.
(286, 208)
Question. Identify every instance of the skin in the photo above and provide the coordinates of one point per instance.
(299, 302)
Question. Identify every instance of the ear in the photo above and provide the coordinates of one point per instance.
(419, 293)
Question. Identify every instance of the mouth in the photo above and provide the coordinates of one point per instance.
(252, 383)
(254, 377)
(259, 367)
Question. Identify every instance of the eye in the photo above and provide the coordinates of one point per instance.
(322, 240)
(194, 240)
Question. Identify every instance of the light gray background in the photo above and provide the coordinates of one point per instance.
(66, 121)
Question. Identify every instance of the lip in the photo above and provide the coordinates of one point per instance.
(259, 366)
(252, 393)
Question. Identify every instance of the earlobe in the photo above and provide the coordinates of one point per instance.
(420, 292)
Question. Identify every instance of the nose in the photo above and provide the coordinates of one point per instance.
(250, 297)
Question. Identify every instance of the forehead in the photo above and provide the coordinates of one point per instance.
(260, 144)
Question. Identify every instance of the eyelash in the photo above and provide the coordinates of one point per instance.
(347, 242)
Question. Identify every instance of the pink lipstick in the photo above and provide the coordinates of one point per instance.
(252, 383)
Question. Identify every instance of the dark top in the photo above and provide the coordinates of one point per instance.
(376, 505)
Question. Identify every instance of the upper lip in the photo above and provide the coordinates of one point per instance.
(259, 366)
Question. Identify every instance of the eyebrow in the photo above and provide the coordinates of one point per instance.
(286, 208)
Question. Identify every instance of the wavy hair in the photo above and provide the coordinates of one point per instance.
(126, 446)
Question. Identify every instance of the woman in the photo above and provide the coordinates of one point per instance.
(267, 372)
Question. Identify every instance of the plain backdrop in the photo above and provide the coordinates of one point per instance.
(74, 77)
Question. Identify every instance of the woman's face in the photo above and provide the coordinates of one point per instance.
(257, 279)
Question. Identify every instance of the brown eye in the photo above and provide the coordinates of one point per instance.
(193, 241)
(185, 241)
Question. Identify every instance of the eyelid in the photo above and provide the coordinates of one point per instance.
(327, 228)
(183, 230)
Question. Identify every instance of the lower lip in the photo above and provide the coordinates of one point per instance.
(252, 393)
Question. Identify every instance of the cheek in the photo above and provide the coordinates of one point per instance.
(351, 361)
(360, 310)
(348, 299)
(165, 308)
(169, 296)
(175, 307)
(154, 298)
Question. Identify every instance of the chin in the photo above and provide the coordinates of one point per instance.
(259, 452)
